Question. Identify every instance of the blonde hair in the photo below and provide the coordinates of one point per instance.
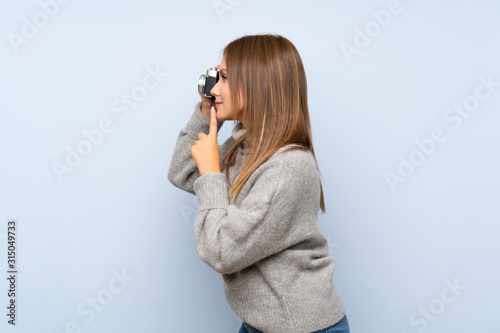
(268, 71)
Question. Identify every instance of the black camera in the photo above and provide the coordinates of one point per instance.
(207, 82)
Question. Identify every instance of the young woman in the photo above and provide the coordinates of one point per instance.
(259, 193)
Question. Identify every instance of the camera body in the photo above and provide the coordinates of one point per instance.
(208, 81)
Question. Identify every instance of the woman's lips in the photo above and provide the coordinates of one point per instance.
(217, 104)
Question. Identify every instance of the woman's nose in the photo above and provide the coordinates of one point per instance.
(215, 90)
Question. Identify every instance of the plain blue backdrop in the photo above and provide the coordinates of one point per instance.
(404, 100)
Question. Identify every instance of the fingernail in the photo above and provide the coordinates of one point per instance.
(213, 110)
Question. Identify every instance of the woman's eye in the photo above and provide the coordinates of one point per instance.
(224, 77)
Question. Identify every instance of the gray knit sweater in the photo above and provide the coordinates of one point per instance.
(267, 245)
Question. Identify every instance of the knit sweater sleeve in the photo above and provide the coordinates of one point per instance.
(229, 238)
(183, 170)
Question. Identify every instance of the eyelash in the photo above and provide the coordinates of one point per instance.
(224, 77)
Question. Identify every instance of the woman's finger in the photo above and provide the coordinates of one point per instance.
(213, 124)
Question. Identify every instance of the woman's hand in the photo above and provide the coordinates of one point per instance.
(205, 151)
(206, 105)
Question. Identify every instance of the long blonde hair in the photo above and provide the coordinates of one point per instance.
(268, 71)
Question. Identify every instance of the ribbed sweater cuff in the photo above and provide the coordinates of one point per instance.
(198, 123)
(212, 191)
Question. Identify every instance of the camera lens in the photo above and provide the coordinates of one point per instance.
(201, 84)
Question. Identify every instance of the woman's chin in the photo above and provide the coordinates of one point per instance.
(219, 115)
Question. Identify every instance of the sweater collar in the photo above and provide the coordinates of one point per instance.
(238, 131)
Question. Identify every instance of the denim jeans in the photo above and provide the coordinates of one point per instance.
(341, 327)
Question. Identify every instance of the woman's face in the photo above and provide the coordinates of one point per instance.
(223, 105)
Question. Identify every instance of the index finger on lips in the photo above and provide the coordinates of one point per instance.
(213, 123)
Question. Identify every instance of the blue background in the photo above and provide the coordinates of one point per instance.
(399, 246)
